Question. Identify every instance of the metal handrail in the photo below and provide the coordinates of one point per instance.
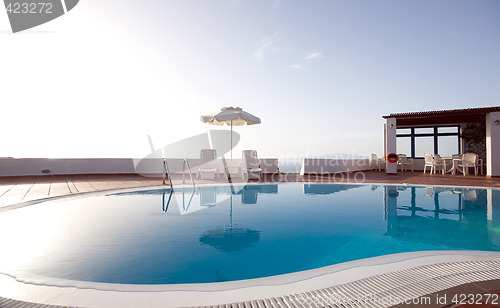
(184, 163)
(166, 172)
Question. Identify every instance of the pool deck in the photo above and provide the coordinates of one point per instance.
(16, 190)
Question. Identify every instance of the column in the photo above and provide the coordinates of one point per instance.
(493, 144)
(390, 144)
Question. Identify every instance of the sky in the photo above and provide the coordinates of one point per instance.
(320, 74)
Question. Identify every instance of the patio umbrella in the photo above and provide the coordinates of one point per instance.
(231, 116)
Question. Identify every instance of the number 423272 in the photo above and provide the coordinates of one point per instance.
(29, 8)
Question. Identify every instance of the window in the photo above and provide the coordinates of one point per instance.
(447, 145)
(416, 141)
(403, 131)
(404, 145)
(424, 145)
(424, 130)
(453, 129)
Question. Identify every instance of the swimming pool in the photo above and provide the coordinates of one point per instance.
(224, 233)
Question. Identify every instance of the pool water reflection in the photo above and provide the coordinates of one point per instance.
(224, 233)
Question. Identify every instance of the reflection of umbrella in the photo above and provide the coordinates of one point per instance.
(231, 116)
(230, 239)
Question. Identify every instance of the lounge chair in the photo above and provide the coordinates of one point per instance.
(251, 165)
(208, 165)
(405, 161)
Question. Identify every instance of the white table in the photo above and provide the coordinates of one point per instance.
(454, 166)
(233, 171)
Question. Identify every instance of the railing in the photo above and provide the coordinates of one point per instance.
(184, 164)
(166, 172)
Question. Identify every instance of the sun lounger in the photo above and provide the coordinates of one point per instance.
(251, 165)
(208, 165)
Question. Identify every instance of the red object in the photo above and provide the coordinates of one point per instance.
(392, 158)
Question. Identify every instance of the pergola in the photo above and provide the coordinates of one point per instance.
(475, 130)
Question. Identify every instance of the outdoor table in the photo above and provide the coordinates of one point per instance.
(454, 166)
(232, 170)
(455, 162)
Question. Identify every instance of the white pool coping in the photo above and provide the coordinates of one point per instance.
(51, 291)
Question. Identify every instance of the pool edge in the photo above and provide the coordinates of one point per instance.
(83, 294)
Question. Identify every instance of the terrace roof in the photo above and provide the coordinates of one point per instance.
(440, 117)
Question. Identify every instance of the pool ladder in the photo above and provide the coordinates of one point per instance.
(185, 164)
(166, 173)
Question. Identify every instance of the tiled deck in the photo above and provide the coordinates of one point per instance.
(14, 190)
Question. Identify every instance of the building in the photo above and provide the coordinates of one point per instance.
(446, 132)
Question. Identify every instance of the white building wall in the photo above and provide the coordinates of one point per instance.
(492, 144)
(390, 144)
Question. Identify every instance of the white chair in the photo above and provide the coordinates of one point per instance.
(375, 162)
(251, 165)
(469, 160)
(428, 162)
(208, 165)
(405, 161)
(439, 162)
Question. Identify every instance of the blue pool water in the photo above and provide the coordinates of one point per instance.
(221, 233)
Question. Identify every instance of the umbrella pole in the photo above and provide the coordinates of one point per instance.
(231, 141)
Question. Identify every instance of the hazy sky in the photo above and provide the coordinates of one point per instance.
(320, 74)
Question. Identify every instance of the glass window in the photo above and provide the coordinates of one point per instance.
(423, 141)
(448, 129)
(403, 145)
(447, 145)
(403, 131)
(424, 130)
(424, 145)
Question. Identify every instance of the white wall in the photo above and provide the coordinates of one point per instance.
(146, 167)
(331, 166)
(492, 144)
(390, 144)
(34, 166)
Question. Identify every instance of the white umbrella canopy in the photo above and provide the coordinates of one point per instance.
(231, 116)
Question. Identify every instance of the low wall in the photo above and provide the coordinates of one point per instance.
(150, 166)
(330, 166)
(154, 166)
